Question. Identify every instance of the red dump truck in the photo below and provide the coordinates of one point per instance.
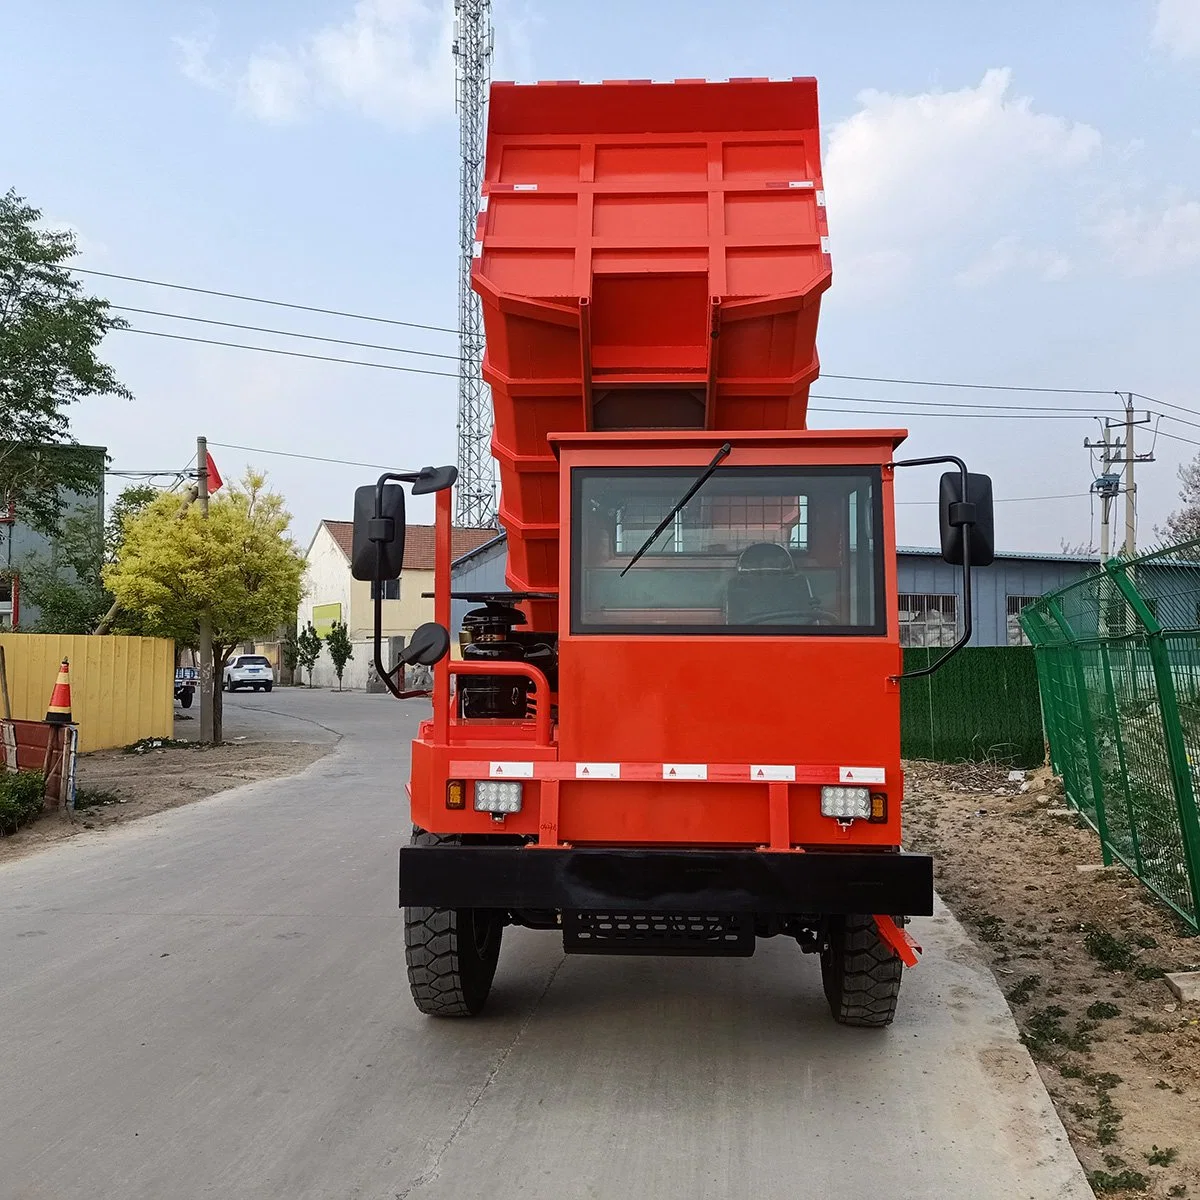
(679, 731)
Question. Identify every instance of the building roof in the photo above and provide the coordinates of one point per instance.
(1092, 560)
(418, 542)
(497, 539)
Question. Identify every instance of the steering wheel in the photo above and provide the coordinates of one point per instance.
(793, 616)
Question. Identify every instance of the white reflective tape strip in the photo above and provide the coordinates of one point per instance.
(685, 771)
(861, 774)
(821, 197)
(524, 187)
(766, 771)
(511, 770)
(597, 770)
(800, 183)
(824, 245)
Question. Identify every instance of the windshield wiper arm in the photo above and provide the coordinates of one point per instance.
(723, 453)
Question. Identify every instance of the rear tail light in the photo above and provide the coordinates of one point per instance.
(456, 794)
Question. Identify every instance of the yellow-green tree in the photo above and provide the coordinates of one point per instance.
(239, 564)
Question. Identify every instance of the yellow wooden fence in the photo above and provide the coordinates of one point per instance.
(122, 688)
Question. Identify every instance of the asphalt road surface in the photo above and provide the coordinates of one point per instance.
(212, 1003)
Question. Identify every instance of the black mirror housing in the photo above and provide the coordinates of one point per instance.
(955, 510)
(377, 549)
(434, 479)
(429, 644)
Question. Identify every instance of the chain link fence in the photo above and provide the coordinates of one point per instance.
(1118, 662)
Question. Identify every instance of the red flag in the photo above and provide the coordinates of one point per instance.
(214, 477)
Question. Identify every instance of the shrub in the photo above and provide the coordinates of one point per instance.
(21, 796)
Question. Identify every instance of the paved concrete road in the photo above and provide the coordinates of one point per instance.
(211, 1003)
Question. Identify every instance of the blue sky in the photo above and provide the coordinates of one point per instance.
(1013, 197)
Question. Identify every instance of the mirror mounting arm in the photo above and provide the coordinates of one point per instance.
(962, 514)
(381, 531)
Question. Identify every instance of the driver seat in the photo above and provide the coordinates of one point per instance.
(765, 582)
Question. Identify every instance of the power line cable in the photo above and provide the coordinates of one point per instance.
(342, 462)
(353, 362)
(1001, 413)
(987, 387)
(1006, 408)
(1010, 499)
(329, 312)
(312, 337)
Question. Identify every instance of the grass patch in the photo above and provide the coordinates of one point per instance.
(1045, 1033)
(1104, 1183)
(94, 798)
(1023, 991)
(1147, 1025)
(1162, 1158)
(147, 744)
(1110, 952)
(1102, 1011)
(21, 797)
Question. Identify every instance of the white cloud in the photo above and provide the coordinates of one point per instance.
(1011, 254)
(1152, 243)
(1177, 28)
(905, 173)
(389, 60)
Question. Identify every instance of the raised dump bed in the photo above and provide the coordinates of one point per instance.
(649, 256)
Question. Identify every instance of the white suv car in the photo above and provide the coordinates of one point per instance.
(250, 671)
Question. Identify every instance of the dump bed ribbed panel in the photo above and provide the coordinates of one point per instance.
(650, 256)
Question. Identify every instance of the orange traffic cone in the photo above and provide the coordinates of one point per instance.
(59, 712)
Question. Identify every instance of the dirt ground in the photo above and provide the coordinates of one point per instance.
(1080, 956)
(124, 786)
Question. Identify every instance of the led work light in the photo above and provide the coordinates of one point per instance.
(497, 796)
(845, 803)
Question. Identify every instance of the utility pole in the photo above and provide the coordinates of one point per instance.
(1108, 485)
(1130, 486)
(206, 650)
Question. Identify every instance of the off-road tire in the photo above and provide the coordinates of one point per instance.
(451, 952)
(861, 973)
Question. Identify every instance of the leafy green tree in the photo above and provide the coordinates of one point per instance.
(66, 586)
(1183, 525)
(340, 649)
(50, 331)
(308, 649)
(289, 650)
(238, 566)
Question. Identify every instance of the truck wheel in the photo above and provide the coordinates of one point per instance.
(451, 952)
(185, 701)
(861, 973)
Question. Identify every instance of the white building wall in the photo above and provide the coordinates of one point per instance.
(327, 581)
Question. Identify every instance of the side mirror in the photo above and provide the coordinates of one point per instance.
(956, 510)
(429, 644)
(377, 550)
(434, 479)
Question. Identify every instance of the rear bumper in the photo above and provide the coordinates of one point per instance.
(666, 881)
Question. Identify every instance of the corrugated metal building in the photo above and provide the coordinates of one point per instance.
(930, 591)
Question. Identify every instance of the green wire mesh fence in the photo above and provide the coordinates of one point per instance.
(1118, 662)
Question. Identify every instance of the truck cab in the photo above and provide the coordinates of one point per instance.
(678, 730)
